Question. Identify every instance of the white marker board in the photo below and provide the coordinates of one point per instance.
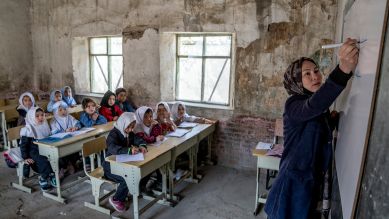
(364, 20)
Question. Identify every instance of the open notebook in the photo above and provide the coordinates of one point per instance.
(178, 133)
(63, 135)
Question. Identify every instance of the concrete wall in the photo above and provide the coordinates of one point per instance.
(270, 34)
(16, 71)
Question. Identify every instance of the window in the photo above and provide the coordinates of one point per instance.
(204, 68)
(106, 63)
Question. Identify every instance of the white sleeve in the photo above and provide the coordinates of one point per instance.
(189, 118)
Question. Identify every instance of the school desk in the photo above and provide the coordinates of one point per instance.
(54, 151)
(188, 143)
(161, 157)
(263, 162)
(157, 157)
(9, 113)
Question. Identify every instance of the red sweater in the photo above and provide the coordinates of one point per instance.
(159, 129)
(107, 113)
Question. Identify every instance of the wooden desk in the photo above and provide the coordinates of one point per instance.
(54, 151)
(157, 157)
(8, 113)
(263, 162)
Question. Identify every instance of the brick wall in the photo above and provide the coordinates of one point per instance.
(235, 138)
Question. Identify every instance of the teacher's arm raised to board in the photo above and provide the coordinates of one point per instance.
(302, 109)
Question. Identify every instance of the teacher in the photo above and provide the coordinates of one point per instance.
(307, 135)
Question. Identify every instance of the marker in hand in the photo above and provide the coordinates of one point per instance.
(330, 46)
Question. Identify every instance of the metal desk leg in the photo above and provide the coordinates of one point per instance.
(257, 204)
(208, 160)
(53, 158)
(4, 130)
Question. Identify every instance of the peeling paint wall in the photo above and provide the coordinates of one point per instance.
(16, 71)
(270, 34)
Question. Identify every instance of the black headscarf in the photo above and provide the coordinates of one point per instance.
(104, 102)
(293, 82)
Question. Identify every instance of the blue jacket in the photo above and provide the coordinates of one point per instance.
(308, 151)
(125, 106)
(87, 121)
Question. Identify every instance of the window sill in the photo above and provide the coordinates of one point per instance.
(204, 105)
(90, 94)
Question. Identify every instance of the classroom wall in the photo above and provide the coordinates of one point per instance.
(15, 48)
(270, 34)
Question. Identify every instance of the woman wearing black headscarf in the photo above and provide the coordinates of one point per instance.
(307, 134)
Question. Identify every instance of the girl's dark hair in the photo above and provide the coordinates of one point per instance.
(149, 111)
(119, 90)
(58, 92)
(39, 110)
(85, 102)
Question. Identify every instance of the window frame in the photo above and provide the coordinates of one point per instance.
(91, 56)
(203, 57)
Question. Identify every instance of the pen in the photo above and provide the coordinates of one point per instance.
(330, 46)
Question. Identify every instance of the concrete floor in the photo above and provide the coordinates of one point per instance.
(223, 193)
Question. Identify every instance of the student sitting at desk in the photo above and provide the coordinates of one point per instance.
(165, 123)
(122, 140)
(109, 109)
(26, 101)
(179, 115)
(36, 128)
(67, 96)
(90, 116)
(145, 123)
(63, 122)
(123, 101)
(55, 96)
(307, 136)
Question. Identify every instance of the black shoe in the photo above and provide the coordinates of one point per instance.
(26, 170)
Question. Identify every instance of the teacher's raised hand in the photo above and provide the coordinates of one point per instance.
(348, 55)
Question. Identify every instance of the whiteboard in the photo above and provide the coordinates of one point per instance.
(364, 20)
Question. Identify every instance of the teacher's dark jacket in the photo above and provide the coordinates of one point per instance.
(308, 151)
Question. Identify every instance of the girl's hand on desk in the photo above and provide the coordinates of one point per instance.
(160, 137)
(143, 150)
(29, 161)
(134, 150)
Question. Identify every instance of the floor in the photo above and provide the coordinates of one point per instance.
(222, 193)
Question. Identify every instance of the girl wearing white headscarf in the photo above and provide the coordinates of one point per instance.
(26, 101)
(55, 96)
(36, 128)
(62, 121)
(179, 115)
(165, 123)
(145, 124)
(67, 96)
(122, 140)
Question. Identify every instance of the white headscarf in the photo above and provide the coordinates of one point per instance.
(52, 100)
(124, 121)
(32, 128)
(139, 115)
(186, 116)
(69, 100)
(21, 105)
(61, 123)
(167, 108)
